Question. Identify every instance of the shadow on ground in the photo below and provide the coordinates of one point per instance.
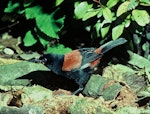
(50, 80)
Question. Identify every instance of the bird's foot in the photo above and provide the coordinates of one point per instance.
(77, 91)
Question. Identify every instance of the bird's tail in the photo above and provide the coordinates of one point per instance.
(111, 44)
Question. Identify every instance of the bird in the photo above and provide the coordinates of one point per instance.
(79, 64)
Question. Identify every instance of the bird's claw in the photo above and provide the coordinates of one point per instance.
(77, 91)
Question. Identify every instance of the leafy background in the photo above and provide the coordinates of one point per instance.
(29, 28)
(59, 21)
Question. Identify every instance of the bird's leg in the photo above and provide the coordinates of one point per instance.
(77, 91)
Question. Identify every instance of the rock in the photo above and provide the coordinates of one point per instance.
(139, 61)
(29, 56)
(26, 109)
(89, 106)
(111, 91)
(95, 86)
(13, 71)
(8, 51)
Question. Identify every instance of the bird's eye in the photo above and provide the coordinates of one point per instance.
(44, 60)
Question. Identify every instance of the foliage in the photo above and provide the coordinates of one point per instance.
(116, 18)
(47, 23)
(104, 20)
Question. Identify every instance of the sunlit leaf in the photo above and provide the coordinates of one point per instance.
(127, 23)
(104, 31)
(145, 2)
(76, 4)
(100, 13)
(122, 8)
(107, 14)
(58, 49)
(141, 17)
(49, 25)
(81, 9)
(97, 28)
(28, 3)
(117, 31)
(90, 13)
(133, 4)
(11, 7)
(58, 2)
(111, 3)
(43, 42)
(33, 12)
(29, 40)
(104, 28)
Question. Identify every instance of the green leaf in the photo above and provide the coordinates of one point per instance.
(107, 14)
(43, 38)
(133, 4)
(90, 13)
(117, 31)
(111, 3)
(123, 8)
(141, 17)
(58, 2)
(11, 7)
(29, 40)
(104, 31)
(81, 9)
(49, 25)
(104, 28)
(43, 42)
(100, 13)
(97, 28)
(127, 23)
(145, 2)
(76, 4)
(58, 49)
(33, 12)
(145, 46)
(27, 3)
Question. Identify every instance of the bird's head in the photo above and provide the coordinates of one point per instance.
(53, 61)
(48, 60)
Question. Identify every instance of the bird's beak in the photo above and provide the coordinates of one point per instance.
(34, 60)
(43, 61)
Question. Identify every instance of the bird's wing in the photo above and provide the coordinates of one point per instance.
(89, 55)
(79, 58)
